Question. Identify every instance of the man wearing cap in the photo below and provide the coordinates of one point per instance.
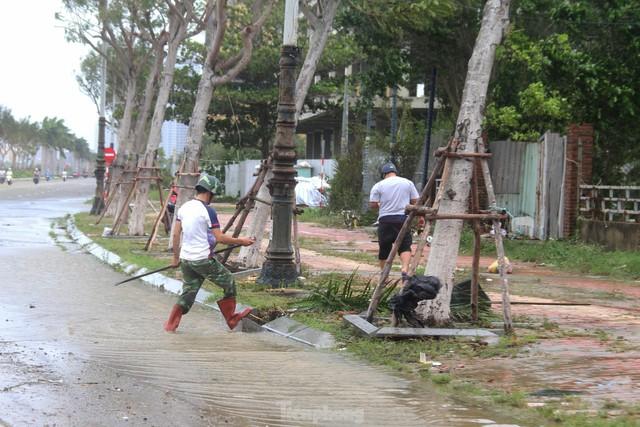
(198, 229)
(390, 196)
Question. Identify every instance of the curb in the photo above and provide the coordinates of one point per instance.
(282, 326)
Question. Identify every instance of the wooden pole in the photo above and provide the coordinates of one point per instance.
(422, 240)
(251, 194)
(125, 206)
(296, 241)
(163, 210)
(112, 195)
(506, 304)
(249, 202)
(475, 266)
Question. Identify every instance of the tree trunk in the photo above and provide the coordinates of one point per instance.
(142, 121)
(124, 147)
(213, 38)
(177, 29)
(250, 255)
(321, 30)
(468, 133)
(208, 82)
(194, 139)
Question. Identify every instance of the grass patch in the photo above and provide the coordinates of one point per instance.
(322, 216)
(568, 255)
(130, 250)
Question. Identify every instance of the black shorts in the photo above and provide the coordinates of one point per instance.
(387, 233)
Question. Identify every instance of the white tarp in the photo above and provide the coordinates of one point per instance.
(310, 191)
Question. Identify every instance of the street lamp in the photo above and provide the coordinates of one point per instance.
(279, 268)
(98, 200)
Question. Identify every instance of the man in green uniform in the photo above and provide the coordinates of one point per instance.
(195, 234)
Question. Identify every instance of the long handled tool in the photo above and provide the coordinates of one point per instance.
(228, 248)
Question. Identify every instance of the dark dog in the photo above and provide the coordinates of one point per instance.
(418, 288)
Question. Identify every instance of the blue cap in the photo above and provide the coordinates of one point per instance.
(388, 168)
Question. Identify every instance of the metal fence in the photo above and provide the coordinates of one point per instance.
(610, 203)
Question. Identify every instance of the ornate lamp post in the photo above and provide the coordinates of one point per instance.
(279, 268)
(98, 201)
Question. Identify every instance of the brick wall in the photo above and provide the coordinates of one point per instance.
(578, 135)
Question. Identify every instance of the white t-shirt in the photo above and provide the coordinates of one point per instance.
(197, 219)
(393, 194)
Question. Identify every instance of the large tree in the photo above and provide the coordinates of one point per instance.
(218, 71)
(468, 134)
(185, 21)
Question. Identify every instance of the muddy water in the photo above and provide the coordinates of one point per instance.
(75, 350)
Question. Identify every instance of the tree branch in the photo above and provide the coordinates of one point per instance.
(314, 21)
(248, 34)
(221, 26)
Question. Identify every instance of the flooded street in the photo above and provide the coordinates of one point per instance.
(75, 350)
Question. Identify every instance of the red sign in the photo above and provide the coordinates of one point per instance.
(109, 155)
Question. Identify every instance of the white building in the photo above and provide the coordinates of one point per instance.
(174, 141)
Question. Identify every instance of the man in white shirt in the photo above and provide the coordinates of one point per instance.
(198, 227)
(391, 195)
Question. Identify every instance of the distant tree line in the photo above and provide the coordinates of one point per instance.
(21, 138)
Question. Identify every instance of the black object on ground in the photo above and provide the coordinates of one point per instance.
(418, 288)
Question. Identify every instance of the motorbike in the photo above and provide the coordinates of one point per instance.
(2, 179)
(9, 181)
(36, 179)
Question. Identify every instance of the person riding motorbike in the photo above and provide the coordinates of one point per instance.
(64, 175)
(36, 176)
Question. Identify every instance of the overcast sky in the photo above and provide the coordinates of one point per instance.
(38, 68)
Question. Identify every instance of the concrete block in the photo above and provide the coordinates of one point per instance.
(360, 324)
(432, 332)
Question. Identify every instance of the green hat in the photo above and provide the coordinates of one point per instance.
(208, 182)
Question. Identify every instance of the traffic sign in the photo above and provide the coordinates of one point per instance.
(109, 155)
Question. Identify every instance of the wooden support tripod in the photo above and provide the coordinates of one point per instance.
(427, 206)
(140, 175)
(246, 203)
(162, 215)
(123, 179)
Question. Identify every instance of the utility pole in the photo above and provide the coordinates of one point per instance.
(366, 181)
(344, 137)
(427, 138)
(98, 200)
(279, 268)
(394, 121)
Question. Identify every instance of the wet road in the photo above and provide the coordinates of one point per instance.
(75, 350)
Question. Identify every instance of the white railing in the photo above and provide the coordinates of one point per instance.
(610, 202)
